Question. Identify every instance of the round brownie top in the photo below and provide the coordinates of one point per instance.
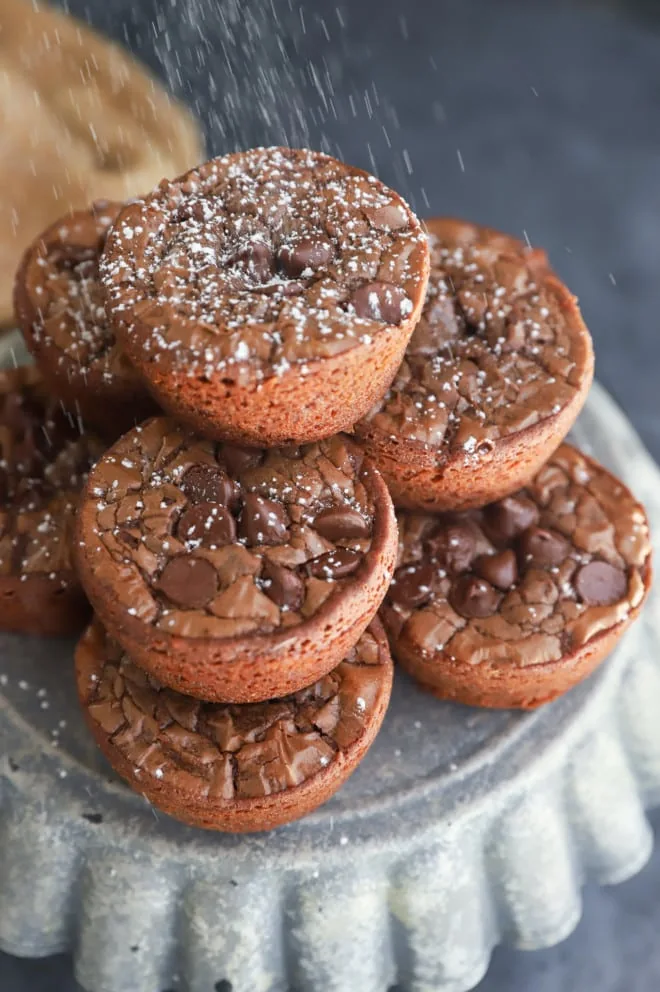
(207, 540)
(59, 295)
(44, 462)
(222, 752)
(263, 259)
(526, 580)
(496, 349)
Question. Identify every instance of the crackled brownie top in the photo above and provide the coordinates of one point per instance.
(528, 579)
(263, 259)
(201, 539)
(60, 296)
(494, 351)
(225, 752)
(43, 464)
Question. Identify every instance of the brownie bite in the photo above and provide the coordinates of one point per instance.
(60, 310)
(493, 378)
(512, 604)
(227, 767)
(229, 573)
(267, 296)
(44, 462)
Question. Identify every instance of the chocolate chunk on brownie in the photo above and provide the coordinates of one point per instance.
(44, 462)
(512, 604)
(226, 767)
(60, 308)
(493, 378)
(235, 574)
(267, 296)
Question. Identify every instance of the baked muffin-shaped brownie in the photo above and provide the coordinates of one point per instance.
(234, 574)
(60, 310)
(511, 605)
(494, 376)
(226, 767)
(267, 296)
(43, 463)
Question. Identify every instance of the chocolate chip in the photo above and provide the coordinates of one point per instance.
(600, 584)
(292, 288)
(208, 484)
(334, 564)
(412, 585)
(307, 254)
(500, 570)
(509, 517)
(196, 210)
(238, 459)
(341, 522)
(542, 548)
(284, 587)
(262, 521)
(452, 545)
(256, 259)
(381, 301)
(208, 523)
(189, 582)
(473, 597)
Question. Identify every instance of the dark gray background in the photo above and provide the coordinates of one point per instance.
(542, 118)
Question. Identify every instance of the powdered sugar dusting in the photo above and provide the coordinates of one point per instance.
(493, 353)
(255, 262)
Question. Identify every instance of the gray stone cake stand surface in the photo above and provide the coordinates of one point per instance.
(462, 828)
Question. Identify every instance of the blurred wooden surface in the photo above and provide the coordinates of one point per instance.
(80, 120)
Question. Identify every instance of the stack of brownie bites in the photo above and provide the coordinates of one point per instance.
(277, 352)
